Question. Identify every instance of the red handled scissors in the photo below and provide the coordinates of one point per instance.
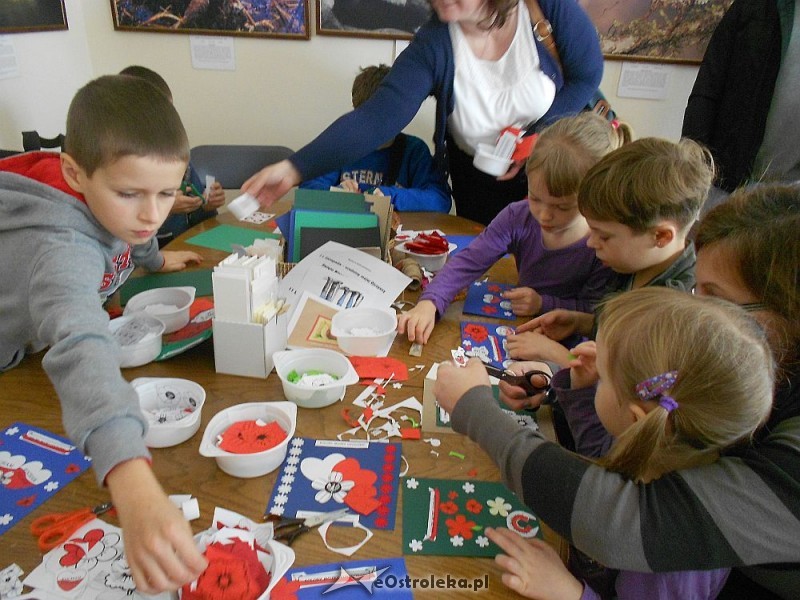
(286, 530)
(56, 528)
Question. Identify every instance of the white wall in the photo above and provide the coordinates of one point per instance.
(282, 91)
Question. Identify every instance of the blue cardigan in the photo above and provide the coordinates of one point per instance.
(427, 68)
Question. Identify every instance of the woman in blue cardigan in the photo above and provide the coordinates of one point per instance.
(488, 66)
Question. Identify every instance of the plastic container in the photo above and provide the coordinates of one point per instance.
(172, 408)
(170, 305)
(139, 338)
(490, 163)
(257, 463)
(382, 322)
(314, 359)
(431, 262)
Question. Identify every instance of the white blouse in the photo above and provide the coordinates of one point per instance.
(490, 95)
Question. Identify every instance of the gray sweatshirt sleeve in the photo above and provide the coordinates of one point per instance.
(100, 408)
(147, 255)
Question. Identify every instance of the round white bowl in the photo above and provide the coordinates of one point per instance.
(431, 262)
(139, 338)
(166, 393)
(257, 463)
(170, 305)
(314, 359)
(382, 322)
(488, 162)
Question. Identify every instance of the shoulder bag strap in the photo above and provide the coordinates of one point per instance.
(542, 30)
(396, 153)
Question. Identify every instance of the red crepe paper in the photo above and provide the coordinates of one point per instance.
(410, 433)
(379, 367)
(248, 437)
(233, 573)
(349, 419)
(285, 590)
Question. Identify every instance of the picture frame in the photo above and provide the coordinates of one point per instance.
(32, 15)
(666, 31)
(381, 19)
(286, 19)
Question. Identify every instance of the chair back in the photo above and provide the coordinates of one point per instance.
(31, 140)
(232, 165)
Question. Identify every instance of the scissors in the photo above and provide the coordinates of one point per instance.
(287, 530)
(56, 528)
(527, 381)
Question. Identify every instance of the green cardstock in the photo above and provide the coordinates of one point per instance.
(336, 220)
(524, 417)
(222, 237)
(199, 279)
(445, 517)
(351, 202)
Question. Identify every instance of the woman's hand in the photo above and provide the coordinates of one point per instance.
(272, 182)
(418, 322)
(453, 382)
(159, 546)
(525, 301)
(515, 168)
(533, 568)
(177, 260)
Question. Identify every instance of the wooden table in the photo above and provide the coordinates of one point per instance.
(26, 395)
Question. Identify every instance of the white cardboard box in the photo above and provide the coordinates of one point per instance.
(246, 348)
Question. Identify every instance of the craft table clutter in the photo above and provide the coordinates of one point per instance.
(349, 454)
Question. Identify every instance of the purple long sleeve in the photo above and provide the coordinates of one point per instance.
(591, 438)
(570, 278)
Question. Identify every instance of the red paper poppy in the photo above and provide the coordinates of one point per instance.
(381, 522)
(72, 468)
(361, 497)
(27, 500)
(493, 287)
(248, 437)
(452, 494)
(489, 310)
(460, 526)
(448, 508)
(474, 506)
(476, 332)
(285, 590)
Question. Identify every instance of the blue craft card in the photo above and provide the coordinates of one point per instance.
(327, 475)
(483, 298)
(34, 465)
(379, 577)
(461, 242)
(487, 341)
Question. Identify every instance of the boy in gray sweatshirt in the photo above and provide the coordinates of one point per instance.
(74, 226)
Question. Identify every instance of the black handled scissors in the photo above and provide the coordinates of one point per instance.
(530, 381)
(287, 530)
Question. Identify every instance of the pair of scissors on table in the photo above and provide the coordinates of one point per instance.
(56, 528)
(287, 530)
(530, 381)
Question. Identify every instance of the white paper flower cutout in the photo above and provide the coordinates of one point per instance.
(12, 431)
(334, 487)
(498, 507)
(482, 541)
(415, 545)
(290, 470)
(412, 483)
(284, 489)
(6, 519)
(276, 510)
(51, 486)
(287, 479)
(457, 541)
(297, 442)
(280, 500)
(468, 487)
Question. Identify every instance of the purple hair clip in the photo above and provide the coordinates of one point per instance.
(654, 388)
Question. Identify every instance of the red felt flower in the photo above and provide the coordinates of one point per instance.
(460, 526)
(476, 332)
(493, 287)
(489, 310)
(381, 522)
(448, 508)
(249, 437)
(361, 497)
(474, 506)
(72, 468)
(27, 500)
(452, 494)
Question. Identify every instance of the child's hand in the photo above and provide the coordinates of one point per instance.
(177, 260)
(583, 368)
(158, 541)
(533, 568)
(216, 196)
(272, 182)
(559, 324)
(514, 396)
(418, 322)
(453, 382)
(349, 185)
(185, 203)
(524, 301)
(532, 345)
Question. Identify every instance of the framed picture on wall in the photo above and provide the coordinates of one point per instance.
(386, 19)
(671, 31)
(20, 16)
(261, 18)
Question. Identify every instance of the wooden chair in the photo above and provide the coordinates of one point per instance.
(31, 140)
(232, 165)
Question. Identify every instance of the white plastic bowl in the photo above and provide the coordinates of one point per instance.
(139, 338)
(488, 162)
(258, 463)
(431, 262)
(382, 322)
(157, 303)
(167, 393)
(314, 359)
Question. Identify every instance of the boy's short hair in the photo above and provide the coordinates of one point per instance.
(567, 149)
(367, 81)
(150, 76)
(647, 181)
(117, 115)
